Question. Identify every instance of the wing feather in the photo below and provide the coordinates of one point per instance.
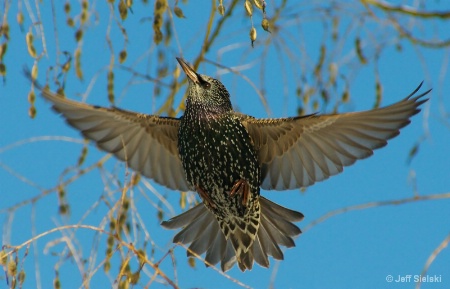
(148, 143)
(297, 152)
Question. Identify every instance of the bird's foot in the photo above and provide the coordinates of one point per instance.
(242, 188)
(205, 197)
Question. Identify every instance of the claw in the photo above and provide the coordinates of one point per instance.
(205, 197)
(242, 188)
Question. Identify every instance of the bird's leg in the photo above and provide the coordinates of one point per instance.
(241, 187)
(205, 197)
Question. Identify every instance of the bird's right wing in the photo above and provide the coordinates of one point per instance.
(297, 152)
(147, 143)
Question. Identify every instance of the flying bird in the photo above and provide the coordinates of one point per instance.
(227, 157)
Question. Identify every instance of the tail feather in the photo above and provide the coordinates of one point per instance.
(217, 248)
(259, 254)
(246, 261)
(184, 219)
(204, 240)
(229, 257)
(275, 233)
(276, 211)
(194, 230)
(241, 240)
(202, 231)
(268, 244)
(284, 227)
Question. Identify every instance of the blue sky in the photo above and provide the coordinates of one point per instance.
(356, 249)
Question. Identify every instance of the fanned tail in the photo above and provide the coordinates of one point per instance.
(202, 231)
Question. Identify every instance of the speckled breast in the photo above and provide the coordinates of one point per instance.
(216, 153)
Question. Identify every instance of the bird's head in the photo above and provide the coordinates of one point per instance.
(205, 90)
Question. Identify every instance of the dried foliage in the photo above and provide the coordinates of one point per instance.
(354, 36)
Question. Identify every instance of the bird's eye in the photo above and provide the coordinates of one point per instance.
(206, 85)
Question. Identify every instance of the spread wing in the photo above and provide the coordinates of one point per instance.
(147, 143)
(297, 152)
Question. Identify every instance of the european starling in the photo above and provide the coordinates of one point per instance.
(226, 157)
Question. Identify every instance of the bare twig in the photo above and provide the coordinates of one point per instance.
(373, 205)
(431, 259)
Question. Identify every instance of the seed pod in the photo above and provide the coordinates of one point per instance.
(333, 72)
(70, 22)
(265, 24)
(12, 267)
(78, 35)
(123, 10)
(83, 17)
(379, 92)
(61, 193)
(315, 105)
(345, 96)
(31, 97)
(221, 9)
(258, 4)
(253, 35)
(34, 72)
(133, 278)
(60, 92)
(160, 6)
(359, 51)
(2, 69)
(325, 96)
(249, 7)
(19, 18)
(32, 111)
(4, 30)
(107, 266)
(178, 12)
(191, 262)
(158, 36)
(157, 21)
(29, 39)
(3, 258)
(57, 282)
(135, 179)
(63, 209)
(126, 204)
(84, 11)
(110, 86)
(67, 7)
(3, 49)
(78, 70)
(122, 56)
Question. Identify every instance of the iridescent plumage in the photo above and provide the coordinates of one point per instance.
(226, 157)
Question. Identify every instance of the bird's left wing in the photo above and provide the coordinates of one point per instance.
(147, 143)
(297, 152)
